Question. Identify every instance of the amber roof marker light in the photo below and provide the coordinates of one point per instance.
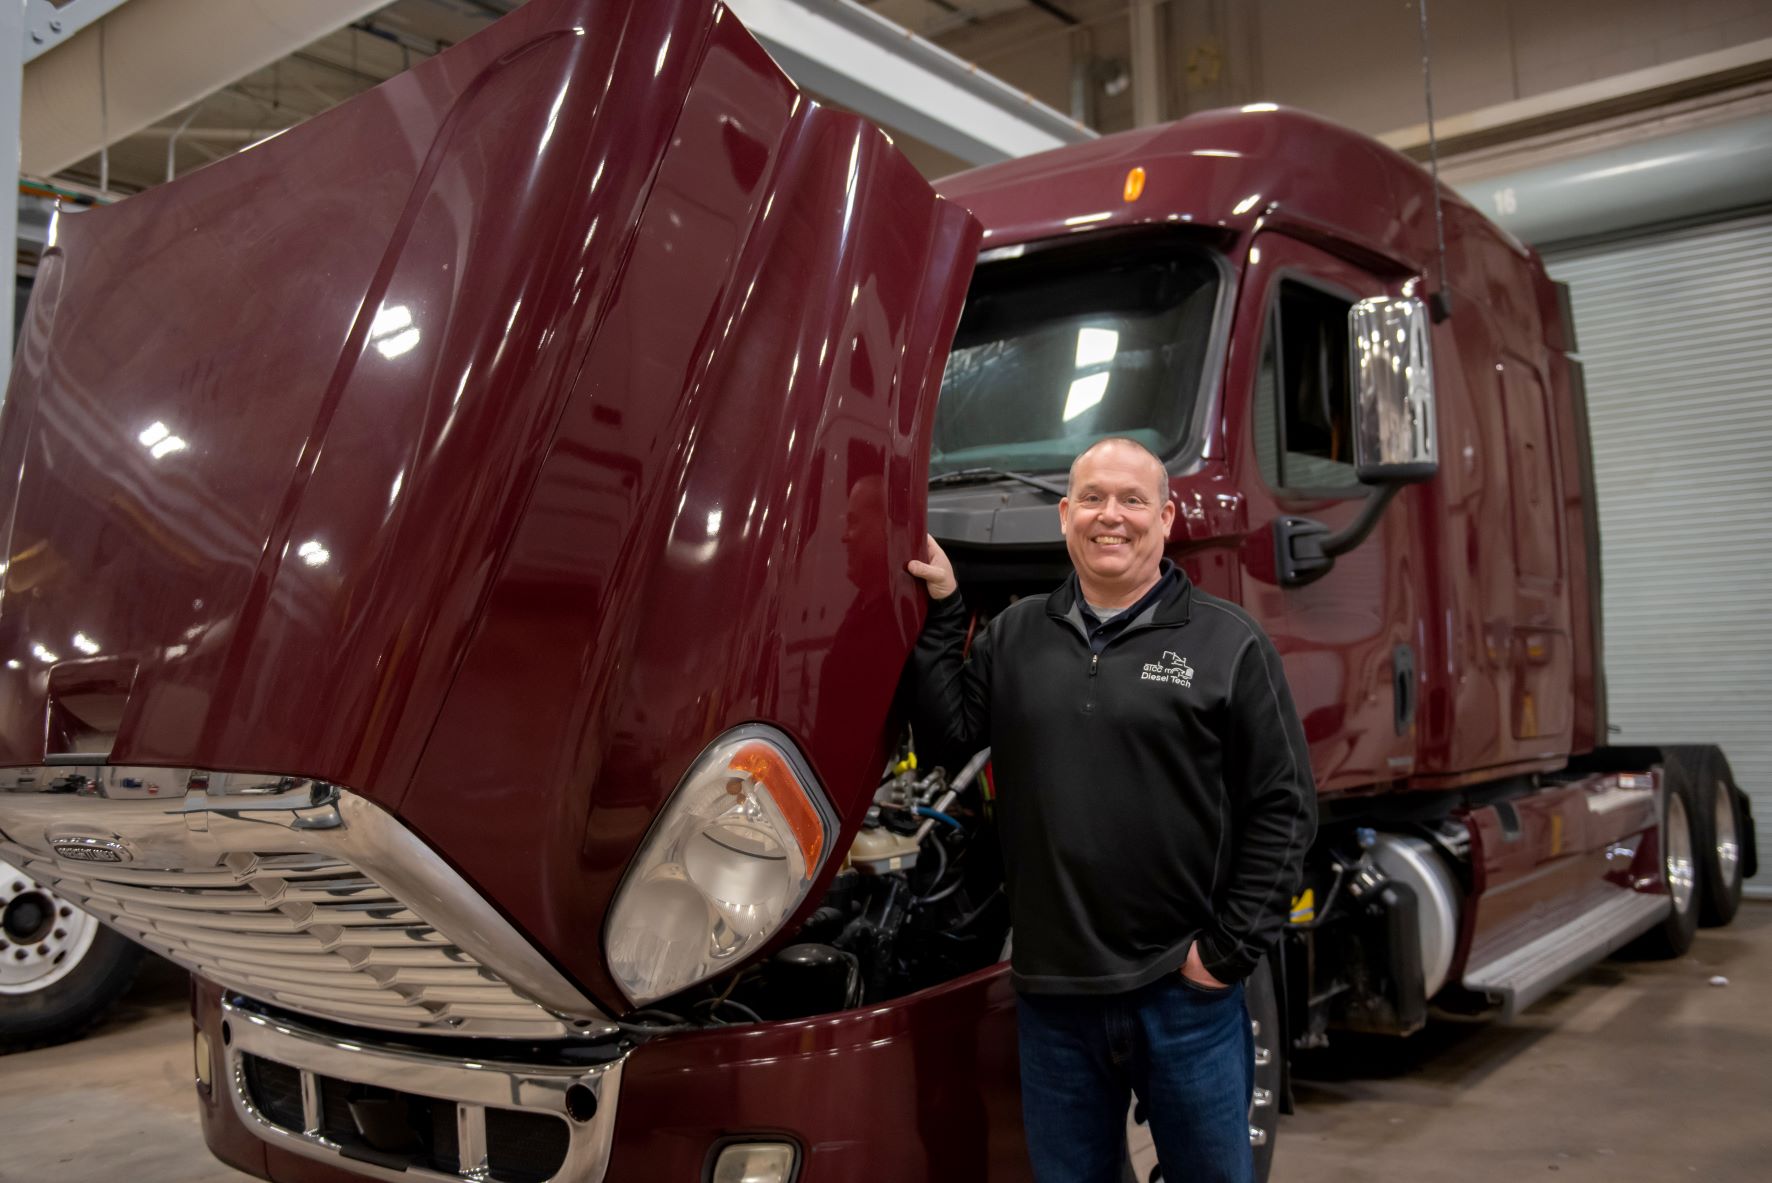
(1134, 187)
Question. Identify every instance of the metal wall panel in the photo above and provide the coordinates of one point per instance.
(1676, 333)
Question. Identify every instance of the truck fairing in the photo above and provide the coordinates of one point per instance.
(488, 445)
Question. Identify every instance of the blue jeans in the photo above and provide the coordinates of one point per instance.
(1186, 1052)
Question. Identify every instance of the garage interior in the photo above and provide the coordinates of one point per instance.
(1628, 142)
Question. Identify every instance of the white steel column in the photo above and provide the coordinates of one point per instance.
(1147, 64)
(12, 78)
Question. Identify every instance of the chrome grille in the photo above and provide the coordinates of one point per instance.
(481, 1122)
(323, 938)
(295, 919)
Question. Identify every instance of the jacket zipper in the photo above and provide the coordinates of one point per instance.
(1095, 658)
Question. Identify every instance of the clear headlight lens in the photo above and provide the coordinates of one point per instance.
(755, 1162)
(733, 854)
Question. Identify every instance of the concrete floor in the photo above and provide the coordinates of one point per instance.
(1637, 1072)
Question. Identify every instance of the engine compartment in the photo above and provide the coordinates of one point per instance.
(918, 901)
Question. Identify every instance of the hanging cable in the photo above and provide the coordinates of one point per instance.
(104, 119)
(1440, 302)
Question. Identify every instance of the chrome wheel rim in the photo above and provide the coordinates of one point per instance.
(42, 936)
(1682, 879)
(1728, 844)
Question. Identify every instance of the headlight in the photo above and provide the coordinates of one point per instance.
(755, 1162)
(733, 854)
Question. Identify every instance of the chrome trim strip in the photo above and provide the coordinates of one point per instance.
(231, 830)
(311, 1113)
(1612, 798)
(470, 1140)
(472, 1085)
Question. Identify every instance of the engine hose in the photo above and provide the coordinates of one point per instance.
(967, 919)
(714, 1004)
(672, 1024)
(941, 857)
(944, 893)
(938, 815)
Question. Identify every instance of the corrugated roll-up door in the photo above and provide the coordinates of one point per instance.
(1675, 330)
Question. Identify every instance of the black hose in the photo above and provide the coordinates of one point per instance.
(967, 919)
(714, 1004)
(673, 1024)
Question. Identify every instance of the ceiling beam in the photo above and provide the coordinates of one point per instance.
(48, 24)
(159, 56)
(865, 62)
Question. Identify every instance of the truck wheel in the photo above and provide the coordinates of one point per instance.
(59, 968)
(1718, 825)
(1264, 1110)
(1680, 837)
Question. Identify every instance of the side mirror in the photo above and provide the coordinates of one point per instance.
(1393, 391)
(1394, 434)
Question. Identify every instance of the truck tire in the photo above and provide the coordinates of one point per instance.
(59, 968)
(1680, 838)
(1263, 1002)
(1718, 824)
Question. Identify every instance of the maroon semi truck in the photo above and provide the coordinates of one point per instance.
(455, 601)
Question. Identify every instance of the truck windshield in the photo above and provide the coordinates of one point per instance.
(1063, 347)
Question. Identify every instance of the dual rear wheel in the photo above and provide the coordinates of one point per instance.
(1702, 846)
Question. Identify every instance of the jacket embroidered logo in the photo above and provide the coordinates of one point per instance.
(1173, 670)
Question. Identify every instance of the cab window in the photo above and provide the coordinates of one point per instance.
(1303, 392)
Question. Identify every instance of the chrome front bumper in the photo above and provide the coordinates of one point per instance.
(476, 1100)
(293, 891)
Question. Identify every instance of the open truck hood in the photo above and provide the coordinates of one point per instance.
(487, 446)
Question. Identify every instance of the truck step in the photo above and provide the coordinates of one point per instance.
(1522, 977)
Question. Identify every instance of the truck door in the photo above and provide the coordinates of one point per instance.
(1348, 639)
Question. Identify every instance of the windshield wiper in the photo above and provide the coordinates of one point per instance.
(968, 476)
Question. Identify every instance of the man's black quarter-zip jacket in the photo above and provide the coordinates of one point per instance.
(1150, 795)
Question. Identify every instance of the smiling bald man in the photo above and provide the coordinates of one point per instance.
(1155, 802)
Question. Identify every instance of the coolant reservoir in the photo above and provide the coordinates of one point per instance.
(877, 850)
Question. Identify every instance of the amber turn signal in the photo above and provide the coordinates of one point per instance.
(1134, 184)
